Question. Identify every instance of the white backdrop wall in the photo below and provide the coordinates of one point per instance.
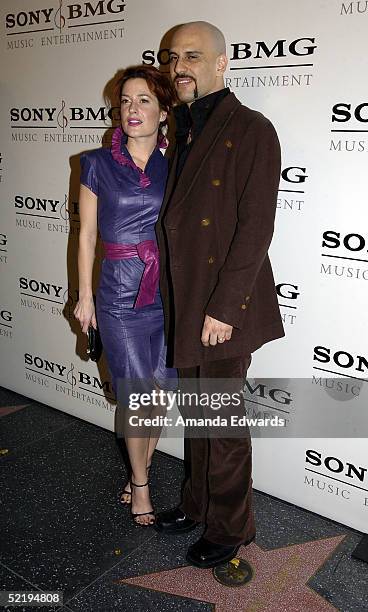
(303, 65)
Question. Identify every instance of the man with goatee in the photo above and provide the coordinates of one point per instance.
(217, 285)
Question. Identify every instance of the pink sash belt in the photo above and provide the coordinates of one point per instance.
(147, 252)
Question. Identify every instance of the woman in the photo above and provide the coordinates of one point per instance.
(120, 195)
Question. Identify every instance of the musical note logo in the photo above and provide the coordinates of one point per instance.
(62, 119)
(59, 18)
(70, 376)
(64, 211)
(67, 297)
(69, 301)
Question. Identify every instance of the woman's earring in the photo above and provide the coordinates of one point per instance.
(163, 142)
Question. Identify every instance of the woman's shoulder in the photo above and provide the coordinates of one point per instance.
(94, 165)
(97, 160)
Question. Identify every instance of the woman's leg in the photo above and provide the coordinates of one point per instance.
(143, 358)
(152, 435)
(127, 350)
(140, 451)
(141, 503)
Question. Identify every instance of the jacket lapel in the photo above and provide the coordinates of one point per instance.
(171, 180)
(201, 150)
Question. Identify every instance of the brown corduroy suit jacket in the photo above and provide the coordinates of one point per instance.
(214, 231)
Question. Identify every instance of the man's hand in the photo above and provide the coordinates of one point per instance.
(215, 331)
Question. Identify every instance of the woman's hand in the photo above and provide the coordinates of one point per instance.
(84, 312)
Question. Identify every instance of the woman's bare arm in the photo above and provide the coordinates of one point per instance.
(85, 310)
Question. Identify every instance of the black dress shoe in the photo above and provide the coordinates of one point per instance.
(208, 554)
(174, 521)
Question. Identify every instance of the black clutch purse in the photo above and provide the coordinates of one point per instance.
(94, 349)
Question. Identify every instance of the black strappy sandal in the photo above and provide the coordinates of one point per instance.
(124, 502)
(125, 492)
(150, 513)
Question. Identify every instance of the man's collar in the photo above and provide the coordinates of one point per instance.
(199, 110)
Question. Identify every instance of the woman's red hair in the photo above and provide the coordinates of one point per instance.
(158, 83)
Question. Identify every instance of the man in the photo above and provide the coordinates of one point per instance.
(217, 286)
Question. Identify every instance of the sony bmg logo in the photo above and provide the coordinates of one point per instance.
(287, 297)
(280, 48)
(36, 204)
(294, 174)
(344, 112)
(54, 115)
(64, 14)
(47, 366)
(260, 390)
(339, 358)
(287, 291)
(352, 242)
(299, 47)
(351, 247)
(24, 203)
(69, 374)
(40, 288)
(6, 316)
(335, 465)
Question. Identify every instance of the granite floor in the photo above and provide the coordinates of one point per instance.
(62, 529)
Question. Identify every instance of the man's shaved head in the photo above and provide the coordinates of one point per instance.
(216, 36)
(197, 60)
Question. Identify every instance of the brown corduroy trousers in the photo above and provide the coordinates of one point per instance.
(218, 491)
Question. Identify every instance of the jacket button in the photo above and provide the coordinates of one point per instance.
(216, 182)
(211, 260)
(228, 144)
(243, 306)
(205, 222)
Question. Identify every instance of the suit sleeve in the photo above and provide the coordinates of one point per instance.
(257, 198)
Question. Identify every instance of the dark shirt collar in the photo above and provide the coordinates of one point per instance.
(197, 114)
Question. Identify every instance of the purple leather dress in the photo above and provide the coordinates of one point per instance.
(132, 337)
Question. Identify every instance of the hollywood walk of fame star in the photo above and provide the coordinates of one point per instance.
(5, 410)
(278, 584)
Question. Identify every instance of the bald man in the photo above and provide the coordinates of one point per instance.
(217, 286)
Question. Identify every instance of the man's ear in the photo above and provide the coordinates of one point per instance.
(221, 63)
